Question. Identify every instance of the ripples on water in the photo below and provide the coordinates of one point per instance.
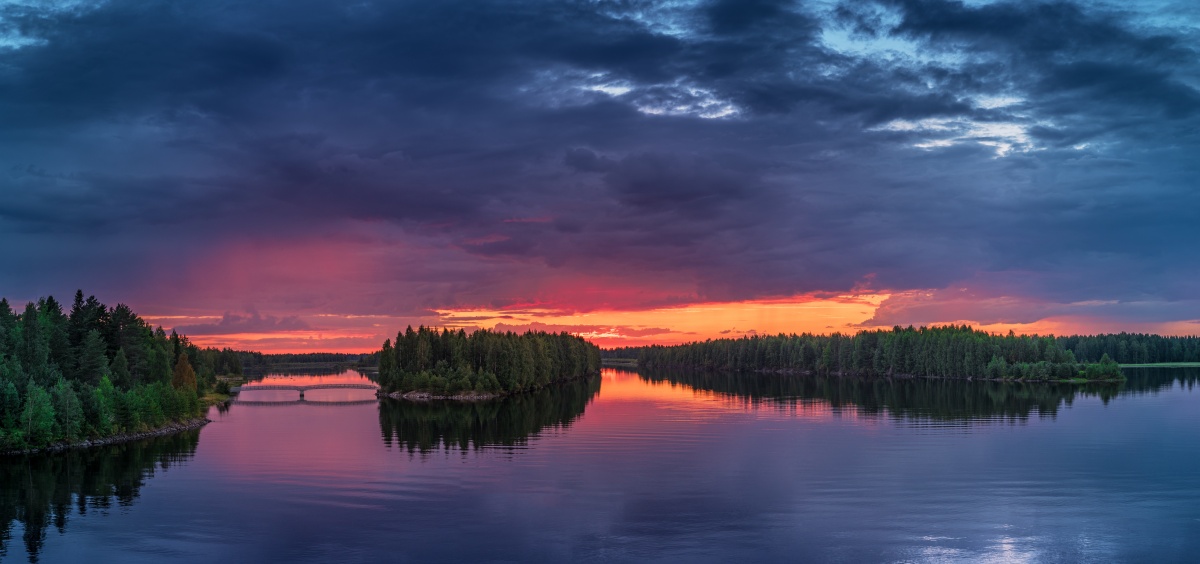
(679, 467)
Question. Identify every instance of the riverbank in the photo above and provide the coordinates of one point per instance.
(426, 396)
(470, 396)
(168, 429)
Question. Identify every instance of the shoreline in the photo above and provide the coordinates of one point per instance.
(427, 396)
(168, 429)
(468, 396)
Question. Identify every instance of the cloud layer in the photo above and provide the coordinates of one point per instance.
(397, 158)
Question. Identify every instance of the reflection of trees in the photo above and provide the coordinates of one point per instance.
(915, 398)
(508, 421)
(41, 490)
(1152, 380)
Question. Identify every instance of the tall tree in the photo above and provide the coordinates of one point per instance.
(92, 362)
(37, 419)
(8, 329)
(35, 350)
(184, 377)
(68, 412)
(119, 369)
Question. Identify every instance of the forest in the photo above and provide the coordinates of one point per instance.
(486, 362)
(95, 371)
(936, 352)
(257, 362)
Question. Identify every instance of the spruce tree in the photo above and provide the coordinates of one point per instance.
(119, 370)
(92, 362)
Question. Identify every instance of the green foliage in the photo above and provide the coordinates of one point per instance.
(451, 362)
(934, 352)
(93, 360)
(68, 411)
(37, 419)
(10, 405)
(92, 373)
(1133, 348)
(119, 368)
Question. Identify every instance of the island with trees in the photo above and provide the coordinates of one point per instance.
(928, 352)
(96, 374)
(430, 364)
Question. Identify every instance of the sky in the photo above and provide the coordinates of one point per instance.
(304, 175)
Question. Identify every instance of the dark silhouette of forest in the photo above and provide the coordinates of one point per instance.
(449, 362)
(934, 352)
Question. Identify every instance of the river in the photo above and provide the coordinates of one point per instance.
(669, 467)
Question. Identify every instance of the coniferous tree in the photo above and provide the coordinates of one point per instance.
(93, 364)
(119, 369)
(35, 350)
(68, 412)
(8, 329)
(37, 419)
(10, 404)
(184, 377)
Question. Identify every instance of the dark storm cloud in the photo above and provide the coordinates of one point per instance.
(251, 322)
(751, 148)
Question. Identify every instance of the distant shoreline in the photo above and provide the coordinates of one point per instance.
(168, 429)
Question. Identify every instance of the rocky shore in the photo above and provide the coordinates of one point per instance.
(426, 396)
(168, 429)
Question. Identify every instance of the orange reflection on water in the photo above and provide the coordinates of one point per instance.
(345, 377)
(624, 388)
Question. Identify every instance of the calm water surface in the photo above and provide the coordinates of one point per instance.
(658, 467)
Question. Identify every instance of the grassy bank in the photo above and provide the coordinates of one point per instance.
(1164, 365)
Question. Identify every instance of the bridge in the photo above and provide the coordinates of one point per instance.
(303, 402)
(302, 389)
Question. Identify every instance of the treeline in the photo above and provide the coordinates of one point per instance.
(261, 362)
(1133, 348)
(937, 352)
(93, 372)
(448, 362)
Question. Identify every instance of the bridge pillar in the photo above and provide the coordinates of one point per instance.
(301, 394)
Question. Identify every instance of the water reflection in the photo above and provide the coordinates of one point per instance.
(40, 491)
(427, 426)
(915, 398)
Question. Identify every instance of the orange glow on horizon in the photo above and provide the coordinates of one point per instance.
(332, 332)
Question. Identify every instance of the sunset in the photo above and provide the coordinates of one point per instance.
(315, 178)
(599, 280)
